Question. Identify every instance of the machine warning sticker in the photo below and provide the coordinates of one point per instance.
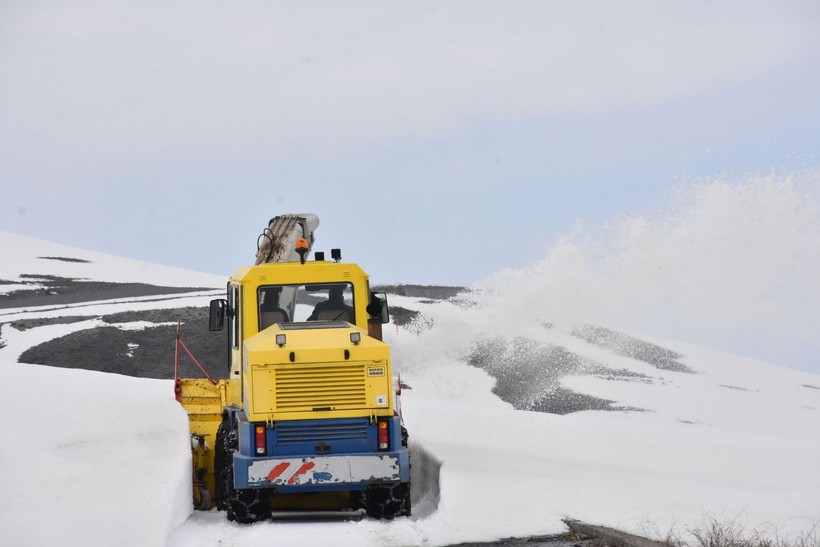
(375, 371)
(381, 400)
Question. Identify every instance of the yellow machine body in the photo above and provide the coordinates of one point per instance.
(306, 370)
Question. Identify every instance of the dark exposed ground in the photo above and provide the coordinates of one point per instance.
(628, 346)
(433, 292)
(570, 539)
(400, 315)
(146, 353)
(65, 259)
(528, 375)
(62, 290)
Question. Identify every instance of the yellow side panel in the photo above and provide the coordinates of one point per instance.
(204, 401)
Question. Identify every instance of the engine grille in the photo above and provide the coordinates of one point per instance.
(317, 387)
(297, 433)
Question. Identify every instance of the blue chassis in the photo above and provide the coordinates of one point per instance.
(313, 431)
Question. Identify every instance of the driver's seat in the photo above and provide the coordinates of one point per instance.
(333, 315)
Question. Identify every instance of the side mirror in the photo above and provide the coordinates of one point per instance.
(216, 319)
(377, 308)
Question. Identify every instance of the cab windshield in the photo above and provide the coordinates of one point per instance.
(299, 303)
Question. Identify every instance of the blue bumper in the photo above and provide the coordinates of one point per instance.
(316, 455)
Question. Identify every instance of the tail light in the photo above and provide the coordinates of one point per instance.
(384, 435)
(261, 448)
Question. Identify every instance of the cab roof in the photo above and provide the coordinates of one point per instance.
(297, 273)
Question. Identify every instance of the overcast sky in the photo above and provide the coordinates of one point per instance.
(437, 141)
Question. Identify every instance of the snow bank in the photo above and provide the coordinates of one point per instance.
(90, 458)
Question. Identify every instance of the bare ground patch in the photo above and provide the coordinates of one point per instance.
(528, 375)
(147, 353)
(55, 291)
(629, 346)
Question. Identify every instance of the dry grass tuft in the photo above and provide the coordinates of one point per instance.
(717, 533)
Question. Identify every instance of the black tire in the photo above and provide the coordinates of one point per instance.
(388, 500)
(357, 501)
(246, 505)
(220, 458)
(384, 501)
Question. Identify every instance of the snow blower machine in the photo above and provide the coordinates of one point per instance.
(309, 417)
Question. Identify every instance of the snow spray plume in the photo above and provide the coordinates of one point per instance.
(731, 265)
